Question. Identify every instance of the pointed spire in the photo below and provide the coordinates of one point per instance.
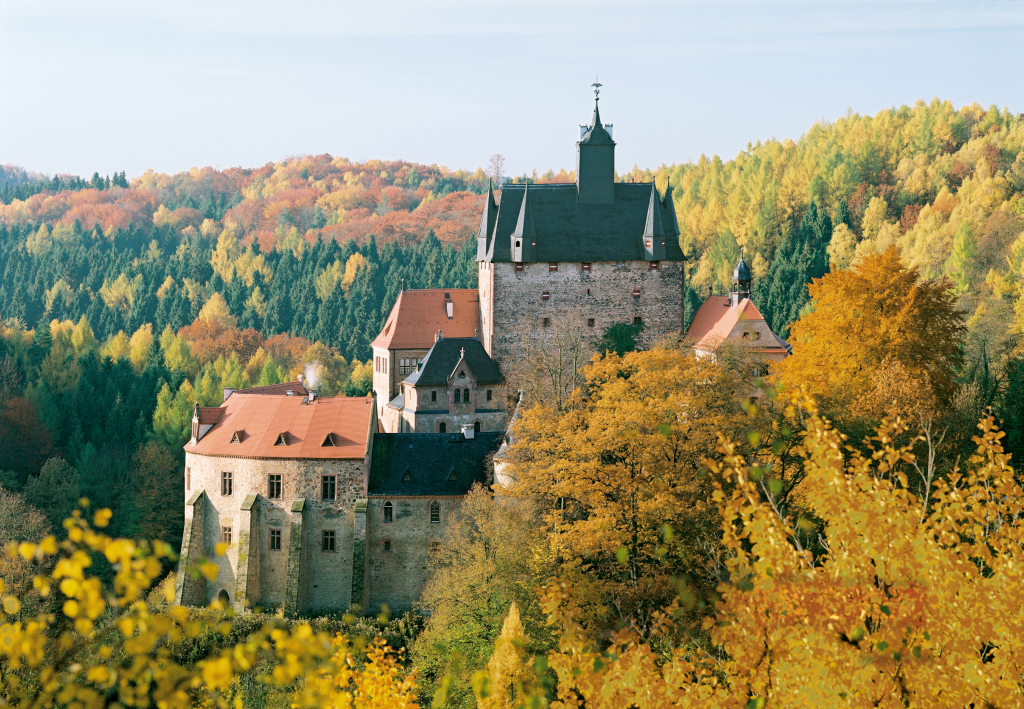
(654, 226)
(671, 224)
(487, 222)
(525, 235)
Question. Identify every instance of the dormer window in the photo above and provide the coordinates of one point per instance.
(452, 477)
(751, 335)
(237, 436)
(282, 439)
(462, 375)
(328, 441)
(407, 477)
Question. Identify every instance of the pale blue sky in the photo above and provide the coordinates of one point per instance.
(132, 84)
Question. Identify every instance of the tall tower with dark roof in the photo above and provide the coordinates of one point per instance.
(579, 257)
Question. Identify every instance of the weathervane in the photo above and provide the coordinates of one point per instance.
(597, 88)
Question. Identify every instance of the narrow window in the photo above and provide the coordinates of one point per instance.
(389, 513)
(476, 427)
(588, 291)
(225, 535)
(636, 292)
(519, 267)
(638, 321)
(546, 295)
(552, 267)
(458, 396)
(654, 265)
(188, 478)
(489, 392)
(328, 540)
(586, 269)
(547, 322)
(274, 487)
(275, 540)
(435, 512)
(590, 322)
(442, 428)
(387, 545)
(433, 396)
(329, 487)
(465, 395)
(225, 483)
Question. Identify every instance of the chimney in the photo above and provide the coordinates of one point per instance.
(299, 378)
(312, 396)
(438, 336)
(468, 431)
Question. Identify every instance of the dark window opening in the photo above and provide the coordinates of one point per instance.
(636, 292)
(435, 513)
(458, 396)
(433, 396)
(552, 267)
(586, 268)
(275, 540)
(225, 483)
(328, 540)
(489, 393)
(274, 487)
(590, 322)
(442, 428)
(225, 535)
(387, 545)
(465, 395)
(637, 320)
(654, 265)
(546, 322)
(476, 427)
(519, 266)
(389, 513)
(329, 487)
(545, 295)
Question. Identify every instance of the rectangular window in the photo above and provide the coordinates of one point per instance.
(329, 487)
(545, 295)
(590, 322)
(433, 396)
(636, 292)
(225, 483)
(552, 267)
(489, 392)
(225, 535)
(275, 540)
(586, 268)
(188, 478)
(387, 545)
(274, 487)
(654, 265)
(519, 267)
(638, 321)
(328, 540)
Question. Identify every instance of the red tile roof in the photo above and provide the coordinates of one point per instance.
(715, 321)
(209, 414)
(281, 389)
(419, 314)
(264, 417)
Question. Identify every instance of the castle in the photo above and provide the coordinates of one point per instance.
(334, 503)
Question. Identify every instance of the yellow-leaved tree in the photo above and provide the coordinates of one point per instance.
(510, 674)
(112, 646)
(909, 601)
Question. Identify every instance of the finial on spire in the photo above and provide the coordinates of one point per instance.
(597, 88)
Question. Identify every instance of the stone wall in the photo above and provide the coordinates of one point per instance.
(397, 577)
(326, 576)
(512, 302)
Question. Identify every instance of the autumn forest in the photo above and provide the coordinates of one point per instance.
(700, 532)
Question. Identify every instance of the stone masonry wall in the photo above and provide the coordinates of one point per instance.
(397, 577)
(512, 303)
(327, 575)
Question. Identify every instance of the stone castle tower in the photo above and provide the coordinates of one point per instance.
(596, 253)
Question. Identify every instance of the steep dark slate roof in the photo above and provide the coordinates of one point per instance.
(439, 363)
(567, 231)
(437, 463)
(597, 135)
(741, 272)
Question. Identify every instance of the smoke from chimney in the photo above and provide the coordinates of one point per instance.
(311, 374)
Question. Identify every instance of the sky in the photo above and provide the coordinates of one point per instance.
(112, 85)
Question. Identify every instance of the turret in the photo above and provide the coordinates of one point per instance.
(740, 282)
(524, 238)
(595, 162)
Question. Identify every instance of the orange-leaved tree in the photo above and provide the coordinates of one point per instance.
(912, 601)
(107, 646)
(623, 463)
(878, 310)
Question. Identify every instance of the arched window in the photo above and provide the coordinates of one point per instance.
(465, 395)
(389, 513)
(476, 427)
(458, 396)
(442, 428)
(435, 512)
(224, 598)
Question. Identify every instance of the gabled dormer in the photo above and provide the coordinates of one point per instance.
(654, 229)
(524, 238)
(203, 419)
(487, 222)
